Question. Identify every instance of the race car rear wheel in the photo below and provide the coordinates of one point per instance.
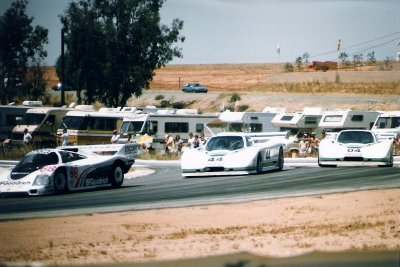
(60, 182)
(259, 164)
(117, 176)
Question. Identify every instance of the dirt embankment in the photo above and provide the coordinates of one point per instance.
(360, 221)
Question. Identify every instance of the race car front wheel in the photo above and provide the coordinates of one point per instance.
(60, 182)
(259, 164)
(117, 176)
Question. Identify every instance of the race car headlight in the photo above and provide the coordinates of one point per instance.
(42, 179)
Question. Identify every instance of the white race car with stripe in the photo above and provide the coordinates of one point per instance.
(64, 169)
(355, 148)
(235, 154)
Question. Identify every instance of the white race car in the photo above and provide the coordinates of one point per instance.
(64, 169)
(355, 148)
(234, 154)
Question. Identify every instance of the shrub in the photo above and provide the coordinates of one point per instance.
(159, 97)
(235, 97)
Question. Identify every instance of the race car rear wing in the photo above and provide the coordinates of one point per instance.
(266, 136)
(128, 150)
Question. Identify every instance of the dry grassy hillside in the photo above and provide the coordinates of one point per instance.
(250, 82)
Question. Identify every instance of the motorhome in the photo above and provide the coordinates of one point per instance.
(387, 125)
(11, 115)
(157, 124)
(91, 127)
(337, 120)
(299, 123)
(42, 124)
(253, 122)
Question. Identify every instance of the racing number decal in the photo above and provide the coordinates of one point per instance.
(215, 159)
(267, 154)
(74, 173)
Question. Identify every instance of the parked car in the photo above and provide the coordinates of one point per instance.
(194, 88)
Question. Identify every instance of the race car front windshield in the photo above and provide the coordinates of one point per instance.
(36, 161)
(356, 137)
(225, 143)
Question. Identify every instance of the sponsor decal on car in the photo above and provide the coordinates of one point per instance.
(48, 168)
(14, 183)
(99, 181)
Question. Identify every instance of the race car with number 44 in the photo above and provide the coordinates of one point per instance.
(65, 169)
(355, 148)
(235, 154)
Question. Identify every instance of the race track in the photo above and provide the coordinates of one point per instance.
(166, 188)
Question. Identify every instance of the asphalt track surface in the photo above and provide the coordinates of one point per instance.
(166, 188)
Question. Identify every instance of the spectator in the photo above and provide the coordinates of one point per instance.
(313, 147)
(115, 137)
(27, 137)
(64, 138)
(191, 140)
(202, 140)
(170, 143)
(178, 143)
(396, 145)
(303, 146)
(196, 143)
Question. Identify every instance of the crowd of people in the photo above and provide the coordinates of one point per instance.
(308, 144)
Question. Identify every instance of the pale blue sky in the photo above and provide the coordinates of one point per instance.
(248, 31)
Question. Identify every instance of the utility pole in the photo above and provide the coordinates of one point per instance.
(62, 68)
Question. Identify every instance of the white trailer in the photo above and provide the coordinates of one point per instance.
(337, 120)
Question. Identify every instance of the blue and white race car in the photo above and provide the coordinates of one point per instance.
(355, 148)
(234, 154)
(64, 169)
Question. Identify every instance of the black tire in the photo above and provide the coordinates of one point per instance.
(259, 164)
(117, 176)
(327, 166)
(60, 182)
(281, 159)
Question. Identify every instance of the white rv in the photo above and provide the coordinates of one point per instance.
(42, 124)
(251, 122)
(337, 120)
(387, 125)
(11, 115)
(162, 122)
(299, 123)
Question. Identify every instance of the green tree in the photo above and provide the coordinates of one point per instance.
(299, 63)
(21, 47)
(371, 58)
(113, 47)
(343, 58)
(306, 58)
(357, 60)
